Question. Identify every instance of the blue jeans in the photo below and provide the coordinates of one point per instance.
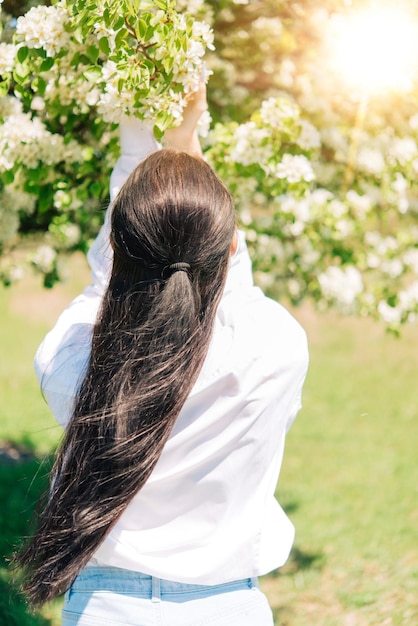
(107, 596)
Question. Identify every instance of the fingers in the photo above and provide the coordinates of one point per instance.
(197, 99)
(184, 136)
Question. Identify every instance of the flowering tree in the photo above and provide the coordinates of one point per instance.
(322, 170)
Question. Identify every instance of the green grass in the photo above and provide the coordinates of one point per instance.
(349, 480)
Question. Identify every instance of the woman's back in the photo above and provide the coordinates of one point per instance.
(208, 512)
(176, 380)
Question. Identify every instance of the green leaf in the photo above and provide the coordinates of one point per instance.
(46, 64)
(45, 199)
(39, 85)
(34, 175)
(75, 60)
(106, 17)
(21, 72)
(119, 22)
(158, 133)
(140, 29)
(32, 188)
(149, 33)
(122, 34)
(84, 59)
(22, 53)
(149, 65)
(104, 46)
(4, 88)
(136, 6)
(93, 53)
(168, 63)
(92, 73)
(95, 189)
(7, 177)
(40, 52)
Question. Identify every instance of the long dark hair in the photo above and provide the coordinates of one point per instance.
(149, 342)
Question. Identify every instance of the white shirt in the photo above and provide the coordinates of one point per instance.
(207, 514)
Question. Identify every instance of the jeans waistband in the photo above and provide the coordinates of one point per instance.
(119, 580)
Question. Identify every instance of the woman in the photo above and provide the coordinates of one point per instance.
(176, 380)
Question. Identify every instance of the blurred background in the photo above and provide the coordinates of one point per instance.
(314, 126)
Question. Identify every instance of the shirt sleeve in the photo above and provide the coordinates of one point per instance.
(137, 142)
(240, 268)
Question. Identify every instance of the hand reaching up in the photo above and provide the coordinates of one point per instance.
(184, 136)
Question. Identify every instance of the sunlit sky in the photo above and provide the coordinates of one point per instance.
(375, 48)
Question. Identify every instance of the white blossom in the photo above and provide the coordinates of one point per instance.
(204, 31)
(10, 106)
(250, 144)
(389, 314)
(408, 298)
(27, 141)
(392, 267)
(296, 228)
(203, 124)
(44, 258)
(372, 260)
(410, 258)
(360, 203)
(337, 208)
(294, 168)
(16, 273)
(370, 160)
(276, 112)
(286, 74)
(320, 196)
(386, 244)
(7, 58)
(265, 280)
(70, 233)
(309, 137)
(404, 150)
(43, 27)
(334, 138)
(341, 284)
(193, 6)
(37, 104)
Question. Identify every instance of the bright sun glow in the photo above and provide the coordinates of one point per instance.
(376, 49)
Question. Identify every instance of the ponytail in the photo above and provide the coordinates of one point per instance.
(172, 227)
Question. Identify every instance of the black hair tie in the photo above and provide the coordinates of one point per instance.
(179, 267)
(176, 267)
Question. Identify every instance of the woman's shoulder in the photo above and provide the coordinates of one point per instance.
(259, 351)
(249, 312)
(255, 333)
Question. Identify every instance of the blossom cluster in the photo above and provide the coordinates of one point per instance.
(119, 59)
(308, 240)
(26, 141)
(25, 144)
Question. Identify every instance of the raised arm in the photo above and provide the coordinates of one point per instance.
(185, 136)
(137, 141)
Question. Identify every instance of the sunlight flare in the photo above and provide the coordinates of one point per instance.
(376, 49)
